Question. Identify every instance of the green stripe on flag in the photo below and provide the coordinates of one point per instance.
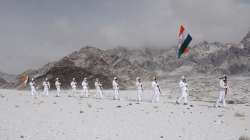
(184, 45)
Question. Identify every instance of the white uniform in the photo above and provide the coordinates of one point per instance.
(98, 87)
(85, 89)
(116, 90)
(222, 94)
(139, 90)
(73, 86)
(46, 86)
(32, 88)
(184, 94)
(156, 89)
(58, 87)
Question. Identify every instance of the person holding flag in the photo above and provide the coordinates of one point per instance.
(184, 41)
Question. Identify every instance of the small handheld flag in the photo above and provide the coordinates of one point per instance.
(24, 80)
(184, 41)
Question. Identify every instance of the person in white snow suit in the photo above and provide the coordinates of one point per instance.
(58, 87)
(98, 87)
(156, 90)
(73, 85)
(85, 87)
(184, 91)
(33, 87)
(223, 91)
(115, 89)
(46, 87)
(139, 89)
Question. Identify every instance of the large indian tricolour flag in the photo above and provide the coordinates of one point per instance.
(184, 41)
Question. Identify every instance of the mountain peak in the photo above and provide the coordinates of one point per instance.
(89, 48)
(246, 40)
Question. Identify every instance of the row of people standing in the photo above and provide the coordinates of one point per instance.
(73, 84)
(85, 87)
(116, 88)
(155, 86)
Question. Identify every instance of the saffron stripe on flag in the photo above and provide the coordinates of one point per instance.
(181, 31)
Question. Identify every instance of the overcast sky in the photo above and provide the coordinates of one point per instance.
(34, 32)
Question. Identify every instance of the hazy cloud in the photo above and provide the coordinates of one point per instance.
(34, 32)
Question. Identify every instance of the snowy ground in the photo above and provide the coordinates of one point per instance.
(73, 118)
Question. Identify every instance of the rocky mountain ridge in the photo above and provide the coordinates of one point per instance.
(125, 63)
